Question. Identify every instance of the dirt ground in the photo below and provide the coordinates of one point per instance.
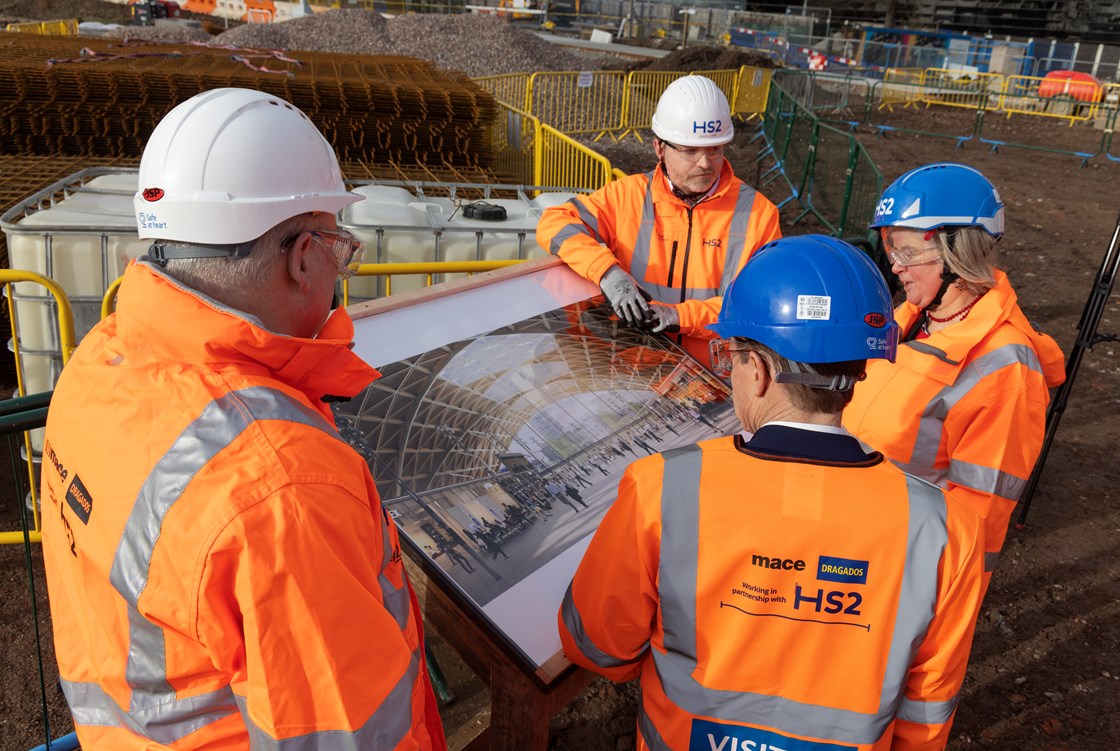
(1045, 668)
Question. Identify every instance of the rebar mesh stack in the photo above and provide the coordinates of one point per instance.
(102, 98)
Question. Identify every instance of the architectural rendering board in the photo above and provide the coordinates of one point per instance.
(504, 417)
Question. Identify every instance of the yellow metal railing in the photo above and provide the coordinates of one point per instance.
(66, 337)
(567, 163)
(68, 27)
(578, 102)
(511, 89)
(901, 86)
(752, 92)
(1068, 100)
(955, 88)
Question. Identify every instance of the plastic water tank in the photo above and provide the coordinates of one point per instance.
(83, 241)
(400, 225)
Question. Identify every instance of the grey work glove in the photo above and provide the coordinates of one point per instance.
(666, 318)
(624, 296)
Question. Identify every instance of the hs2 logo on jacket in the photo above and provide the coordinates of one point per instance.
(769, 593)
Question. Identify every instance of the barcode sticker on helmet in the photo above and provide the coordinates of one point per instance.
(814, 307)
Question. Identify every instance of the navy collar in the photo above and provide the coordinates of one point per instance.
(782, 442)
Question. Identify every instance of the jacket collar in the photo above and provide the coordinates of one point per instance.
(160, 314)
(662, 191)
(999, 305)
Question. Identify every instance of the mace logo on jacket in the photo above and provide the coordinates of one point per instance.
(777, 562)
(841, 570)
(79, 499)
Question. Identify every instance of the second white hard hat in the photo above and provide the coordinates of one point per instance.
(693, 111)
(227, 165)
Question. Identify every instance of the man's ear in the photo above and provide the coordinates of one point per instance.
(298, 261)
(659, 149)
(759, 375)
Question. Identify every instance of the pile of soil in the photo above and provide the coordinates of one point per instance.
(707, 57)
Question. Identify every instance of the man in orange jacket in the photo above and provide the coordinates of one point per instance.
(678, 234)
(788, 590)
(221, 571)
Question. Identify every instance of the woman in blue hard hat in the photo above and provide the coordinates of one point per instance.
(964, 405)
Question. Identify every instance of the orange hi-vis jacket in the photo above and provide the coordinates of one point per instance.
(679, 255)
(221, 572)
(965, 408)
(790, 592)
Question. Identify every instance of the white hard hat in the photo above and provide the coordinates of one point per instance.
(227, 165)
(693, 112)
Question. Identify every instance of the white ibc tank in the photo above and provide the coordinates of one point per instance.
(402, 225)
(83, 241)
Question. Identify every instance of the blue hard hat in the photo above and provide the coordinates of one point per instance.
(941, 195)
(811, 299)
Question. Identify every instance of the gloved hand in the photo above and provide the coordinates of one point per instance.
(624, 296)
(666, 318)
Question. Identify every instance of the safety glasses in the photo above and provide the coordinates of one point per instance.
(909, 256)
(722, 356)
(346, 249)
(691, 154)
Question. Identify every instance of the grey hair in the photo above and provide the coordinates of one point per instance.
(970, 253)
(208, 275)
(808, 398)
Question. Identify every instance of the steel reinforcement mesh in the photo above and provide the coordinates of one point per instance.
(102, 98)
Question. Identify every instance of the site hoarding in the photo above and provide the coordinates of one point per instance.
(507, 410)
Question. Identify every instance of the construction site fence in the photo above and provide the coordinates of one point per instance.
(535, 153)
(824, 169)
(991, 101)
(612, 103)
(68, 27)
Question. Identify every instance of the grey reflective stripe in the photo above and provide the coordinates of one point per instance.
(650, 734)
(926, 539)
(589, 228)
(929, 349)
(991, 561)
(92, 707)
(737, 236)
(574, 623)
(927, 712)
(932, 421)
(986, 480)
(639, 261)
(383, 731)
(680, 544)
(154, 709)
(395, 599)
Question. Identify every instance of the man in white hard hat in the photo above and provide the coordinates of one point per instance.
(221, 571)
(665, 245)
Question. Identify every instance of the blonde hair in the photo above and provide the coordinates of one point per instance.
(970, 253)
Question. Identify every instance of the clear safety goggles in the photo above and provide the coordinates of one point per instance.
(909, 256)
(721, 353)
(346, 249)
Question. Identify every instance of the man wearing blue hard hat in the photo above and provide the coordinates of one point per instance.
(784, 588)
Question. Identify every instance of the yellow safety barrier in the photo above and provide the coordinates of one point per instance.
(751, 93)
(515, 137)
(1033, 95)
(69, 27)
(537, 154)
(900, 86)
(956, 88)
(66, 336)
(511, 89)
(583, 102)
(643, 89)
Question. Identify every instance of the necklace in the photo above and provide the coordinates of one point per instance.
(962, 313)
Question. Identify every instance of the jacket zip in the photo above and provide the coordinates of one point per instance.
(687, 250)
(672, 265)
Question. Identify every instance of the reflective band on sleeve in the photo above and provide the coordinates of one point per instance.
(926, 539)
(927, 712)
(986, 480)
(991, 561)
(395, 599)
(153, 708)
(574, 623)
(383, 731)
(589, 228)
(92, 707)
(931, 424)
